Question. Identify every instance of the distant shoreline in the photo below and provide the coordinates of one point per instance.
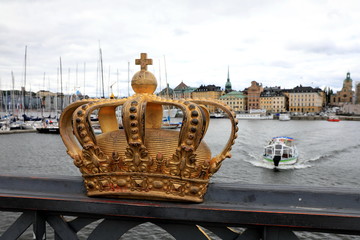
(345, 118)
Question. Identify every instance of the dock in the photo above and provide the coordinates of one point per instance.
(341, 117)
(18, 131)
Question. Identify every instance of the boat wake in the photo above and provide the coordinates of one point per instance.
(318, 158)
(305, 160)
(257, 161)
(332, 154)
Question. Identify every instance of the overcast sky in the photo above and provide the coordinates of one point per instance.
(276, 43)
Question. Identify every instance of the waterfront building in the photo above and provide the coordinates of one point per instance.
(305, 99)
(167, 92)
(183, 91)
(11, 100)
(40, 101)
(253, 95)
(273, 100)
(236, 100)
(47, 100)
(345, 95)
(208, 92)
(357, 93)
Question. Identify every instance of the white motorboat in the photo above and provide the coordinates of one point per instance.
(284, 117)
(217, 115)
(281, 151)
(249, 116)
(170, 112)
(48, 126)
(255, 114)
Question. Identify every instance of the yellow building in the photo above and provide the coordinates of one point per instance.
(236, 100)
(273, 100)
(208, 92)
(306, 99)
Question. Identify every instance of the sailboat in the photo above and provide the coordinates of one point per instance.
(168, 111)
(167, 124)
(49, 125)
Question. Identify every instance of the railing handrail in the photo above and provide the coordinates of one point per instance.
(325, 209)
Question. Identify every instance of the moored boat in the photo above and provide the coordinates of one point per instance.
(249, 116)
(217, 115)
(48, 130)
(48, 126)
(284, 117)
(167, 124)
(281, 151)
(333, 119)
(171, 112)
(255, 114)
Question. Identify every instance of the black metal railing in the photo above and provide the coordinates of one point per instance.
(243, 211)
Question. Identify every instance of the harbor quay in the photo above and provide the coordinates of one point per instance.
(346, 118)
(17, 131)
(307, 118)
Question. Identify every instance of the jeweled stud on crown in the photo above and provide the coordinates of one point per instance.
(142, 160)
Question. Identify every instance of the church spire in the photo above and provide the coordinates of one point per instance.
(228, 79)
(228, 87)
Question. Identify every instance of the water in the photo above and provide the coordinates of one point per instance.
(329, 156)
(329, 153)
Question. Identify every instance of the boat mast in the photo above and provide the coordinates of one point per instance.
(61, 88)
(43, 98)
(76, 82)
(1, 97)
(84, 78)
(68, 85)
(97, 91)
(102, 74)
(167, 86)
(6, 102)
(128, 79)
(30, 98)
(167, 91)
(13, 92)
(109, 82)
(23, 90)
(117, 80)
(57, 93)
(160, 74)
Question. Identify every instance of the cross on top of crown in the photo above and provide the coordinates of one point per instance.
(143, 61)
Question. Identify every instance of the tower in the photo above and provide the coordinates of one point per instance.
(228, 87)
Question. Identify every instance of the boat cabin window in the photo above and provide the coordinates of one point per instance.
(278, 146)
(286, 152)
(269, 151)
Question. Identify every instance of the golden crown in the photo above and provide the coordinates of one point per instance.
(143, 160)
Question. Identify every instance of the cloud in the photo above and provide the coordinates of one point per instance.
(268, 41)
(326, 47)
